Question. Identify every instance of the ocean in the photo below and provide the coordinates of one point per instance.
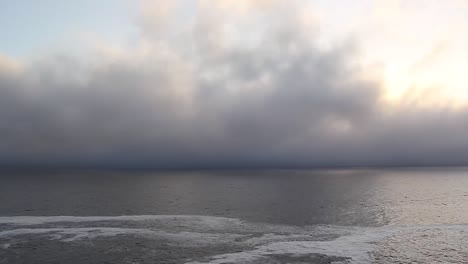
(397, 215)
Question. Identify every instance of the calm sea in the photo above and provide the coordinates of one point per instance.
(258, 216)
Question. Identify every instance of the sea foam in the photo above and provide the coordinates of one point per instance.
(259, 242)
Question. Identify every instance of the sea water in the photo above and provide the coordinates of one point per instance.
(259, 216)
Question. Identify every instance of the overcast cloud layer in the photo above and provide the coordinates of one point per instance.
(237, 88)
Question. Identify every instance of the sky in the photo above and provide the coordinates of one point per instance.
(233, 83)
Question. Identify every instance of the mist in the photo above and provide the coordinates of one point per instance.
(212, 93)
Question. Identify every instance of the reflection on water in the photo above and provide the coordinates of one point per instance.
(423, 196)
(339, 197)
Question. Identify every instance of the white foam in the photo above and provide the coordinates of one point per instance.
(262, 242)
(37, 220)
(5, 246)
(357, 246)
(73, 234)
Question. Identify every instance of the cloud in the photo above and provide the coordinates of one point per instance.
(214, 92)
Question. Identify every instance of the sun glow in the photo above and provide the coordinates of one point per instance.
(441, 84)
(421, 49)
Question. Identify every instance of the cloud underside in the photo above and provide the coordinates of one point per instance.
(264, 93)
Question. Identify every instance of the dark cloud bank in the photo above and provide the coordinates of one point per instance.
(200, 101)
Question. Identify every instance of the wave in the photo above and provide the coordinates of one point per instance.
(259, 242)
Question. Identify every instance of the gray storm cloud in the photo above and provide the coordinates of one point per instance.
(261, 94)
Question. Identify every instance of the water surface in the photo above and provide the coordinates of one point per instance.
(276, 216)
